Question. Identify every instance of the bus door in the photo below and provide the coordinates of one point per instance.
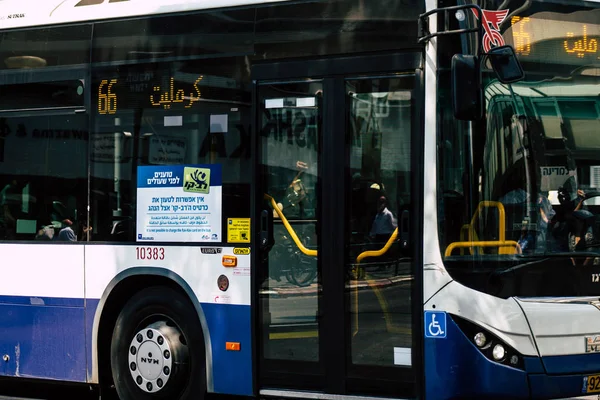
(334, 267)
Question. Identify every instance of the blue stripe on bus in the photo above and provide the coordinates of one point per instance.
(456, 369)
(572, 364)
(533, 365)
(46, 338)
(91, 305)
(49, 341)
(42, 341)
(232, 370)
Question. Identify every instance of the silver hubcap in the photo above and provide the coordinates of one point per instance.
(150, 359)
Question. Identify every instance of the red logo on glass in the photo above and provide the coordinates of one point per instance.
(491, 26)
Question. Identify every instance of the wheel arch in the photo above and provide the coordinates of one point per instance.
(116, 295)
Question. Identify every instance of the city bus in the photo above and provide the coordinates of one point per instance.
(301, 198)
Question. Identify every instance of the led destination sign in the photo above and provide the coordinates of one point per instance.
(144, 91)
(548, 37)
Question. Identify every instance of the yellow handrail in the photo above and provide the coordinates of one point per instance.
(380, 252)
(491, 243)
(501, 217)
(301, 247)
(314, 253)
(380, 297)
(471, 241)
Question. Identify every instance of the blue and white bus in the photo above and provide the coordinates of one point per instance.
(301, 199)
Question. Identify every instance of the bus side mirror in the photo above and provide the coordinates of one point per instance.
(505, 64)
(467, 96)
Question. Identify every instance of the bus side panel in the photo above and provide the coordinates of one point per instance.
(232, 370)
(226, 315)
(91, 307)
(42, 341)
(41, 311)
(456, 369)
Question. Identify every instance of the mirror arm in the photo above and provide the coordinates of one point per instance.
(425, 34)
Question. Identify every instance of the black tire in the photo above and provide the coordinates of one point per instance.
(167, 308)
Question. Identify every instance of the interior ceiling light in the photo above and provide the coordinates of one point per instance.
(25, 62)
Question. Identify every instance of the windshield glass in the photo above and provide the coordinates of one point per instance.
(520, 191)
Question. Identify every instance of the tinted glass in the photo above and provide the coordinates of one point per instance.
(531, 188)
(335, 27)
(44, 133)
(43, 174)
(160, 114)
(380, 123)
(290, 141)
(47, 47)
(194, 35)
(42, 95)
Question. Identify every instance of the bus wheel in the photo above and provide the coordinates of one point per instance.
(157, 348)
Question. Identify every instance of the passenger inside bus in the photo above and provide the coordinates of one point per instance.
(364, 205)
(527, 219)
(384, 222)
(45, 232)
(67, 234)
(540, 227)
(571, 228)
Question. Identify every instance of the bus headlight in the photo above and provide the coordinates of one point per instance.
(490, 345)
(498, 352)
(480, 339)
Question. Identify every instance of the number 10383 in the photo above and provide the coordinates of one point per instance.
(150, 253)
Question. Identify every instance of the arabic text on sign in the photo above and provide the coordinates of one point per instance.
(169, 97)
(582, 46)
(574, 43)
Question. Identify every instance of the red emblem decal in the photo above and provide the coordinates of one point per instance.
(491, 26)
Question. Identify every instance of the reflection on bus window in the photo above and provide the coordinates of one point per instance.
(167, 114)
(43, 175)
(380, 123)
(523, 185)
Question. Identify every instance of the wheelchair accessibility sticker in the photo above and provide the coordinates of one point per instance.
(435, 324)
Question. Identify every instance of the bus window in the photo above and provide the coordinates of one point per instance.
(45, 47)
(49, 185)
(135, 127)
(380, 119)
(43, 157)
(43, 132)
(290, 145)
(204, 117)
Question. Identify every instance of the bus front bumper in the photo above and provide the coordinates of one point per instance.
(456, 369)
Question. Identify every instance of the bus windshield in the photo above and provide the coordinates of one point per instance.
(520, 194)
